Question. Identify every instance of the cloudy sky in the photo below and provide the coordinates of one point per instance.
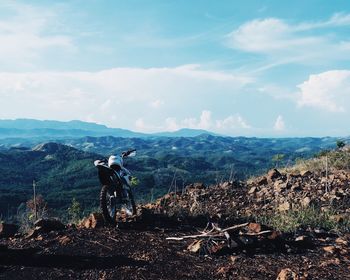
(253, 68)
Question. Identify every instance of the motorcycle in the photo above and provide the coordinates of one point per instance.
(116, 198)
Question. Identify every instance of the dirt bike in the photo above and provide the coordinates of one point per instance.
(116, 198)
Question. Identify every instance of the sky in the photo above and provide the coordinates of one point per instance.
(239, 68)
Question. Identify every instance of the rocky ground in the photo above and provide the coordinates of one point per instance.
(106, 253)
(199, 233)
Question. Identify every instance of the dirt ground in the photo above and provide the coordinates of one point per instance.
(109, 253)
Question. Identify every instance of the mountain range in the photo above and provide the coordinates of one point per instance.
(49, 129)
(59, 157)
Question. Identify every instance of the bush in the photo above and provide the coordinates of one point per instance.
(311, 217)
(74, 211)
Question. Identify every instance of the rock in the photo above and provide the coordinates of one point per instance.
(64, 240)
(306, 202)
(195, 246)
(287, 274)
(326, 263)
(339, 218)
(341, 241)
(306, 173)
(262, 181)
(252, 190)
(304, 242)
(47, 225)
(273, 174)
(284, 206)
(8, 230)
(94, 220)
(330, 249)
(234, 259)
(254, 227)
(225, 185)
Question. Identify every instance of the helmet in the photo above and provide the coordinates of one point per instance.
(115, 162)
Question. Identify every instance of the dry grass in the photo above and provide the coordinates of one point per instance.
(305, 218)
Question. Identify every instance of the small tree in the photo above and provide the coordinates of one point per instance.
(40, 206)
(74, 211)
(134, 181)
(340, 144)
(277, 159)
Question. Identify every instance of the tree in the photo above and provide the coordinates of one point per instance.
(40, 206)
(340, 144)
(74, 211)
(277, 159)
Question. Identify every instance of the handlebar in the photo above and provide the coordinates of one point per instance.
(125, 154)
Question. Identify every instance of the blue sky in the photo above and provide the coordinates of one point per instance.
(253, 68)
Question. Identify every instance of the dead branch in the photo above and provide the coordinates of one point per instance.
(255, 233)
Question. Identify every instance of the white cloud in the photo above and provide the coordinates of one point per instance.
(279, 124)
(229, 125)
(156, 103)
(116, 97)
(291, 43)
(328, 90)
(24, 36)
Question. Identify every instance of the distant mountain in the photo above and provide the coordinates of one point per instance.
(51, 130)
(184, 132)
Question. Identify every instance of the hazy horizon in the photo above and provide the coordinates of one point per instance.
(256, 69)
(184, 128)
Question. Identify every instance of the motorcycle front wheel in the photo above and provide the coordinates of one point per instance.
(115, 204)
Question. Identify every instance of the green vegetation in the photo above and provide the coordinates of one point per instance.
(311, 217)
(340, 144)
(63, 172)
(278, 158)
(325, 160)
(74, 211)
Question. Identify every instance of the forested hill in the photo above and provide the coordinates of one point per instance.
(65, 170)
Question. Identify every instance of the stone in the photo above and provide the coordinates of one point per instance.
(287, 274)
(330, 249)
(326, 263)
(254, 227)
(284, 206)
(8, 230)
(339, 218)
(273, 174)
(306, 173)
(64, 240)
(341, 241)
(306, 202)
(262, 181)
(94, 220)
(252, 190)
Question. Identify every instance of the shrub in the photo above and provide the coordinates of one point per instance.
(311, 217)
(74, 211)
